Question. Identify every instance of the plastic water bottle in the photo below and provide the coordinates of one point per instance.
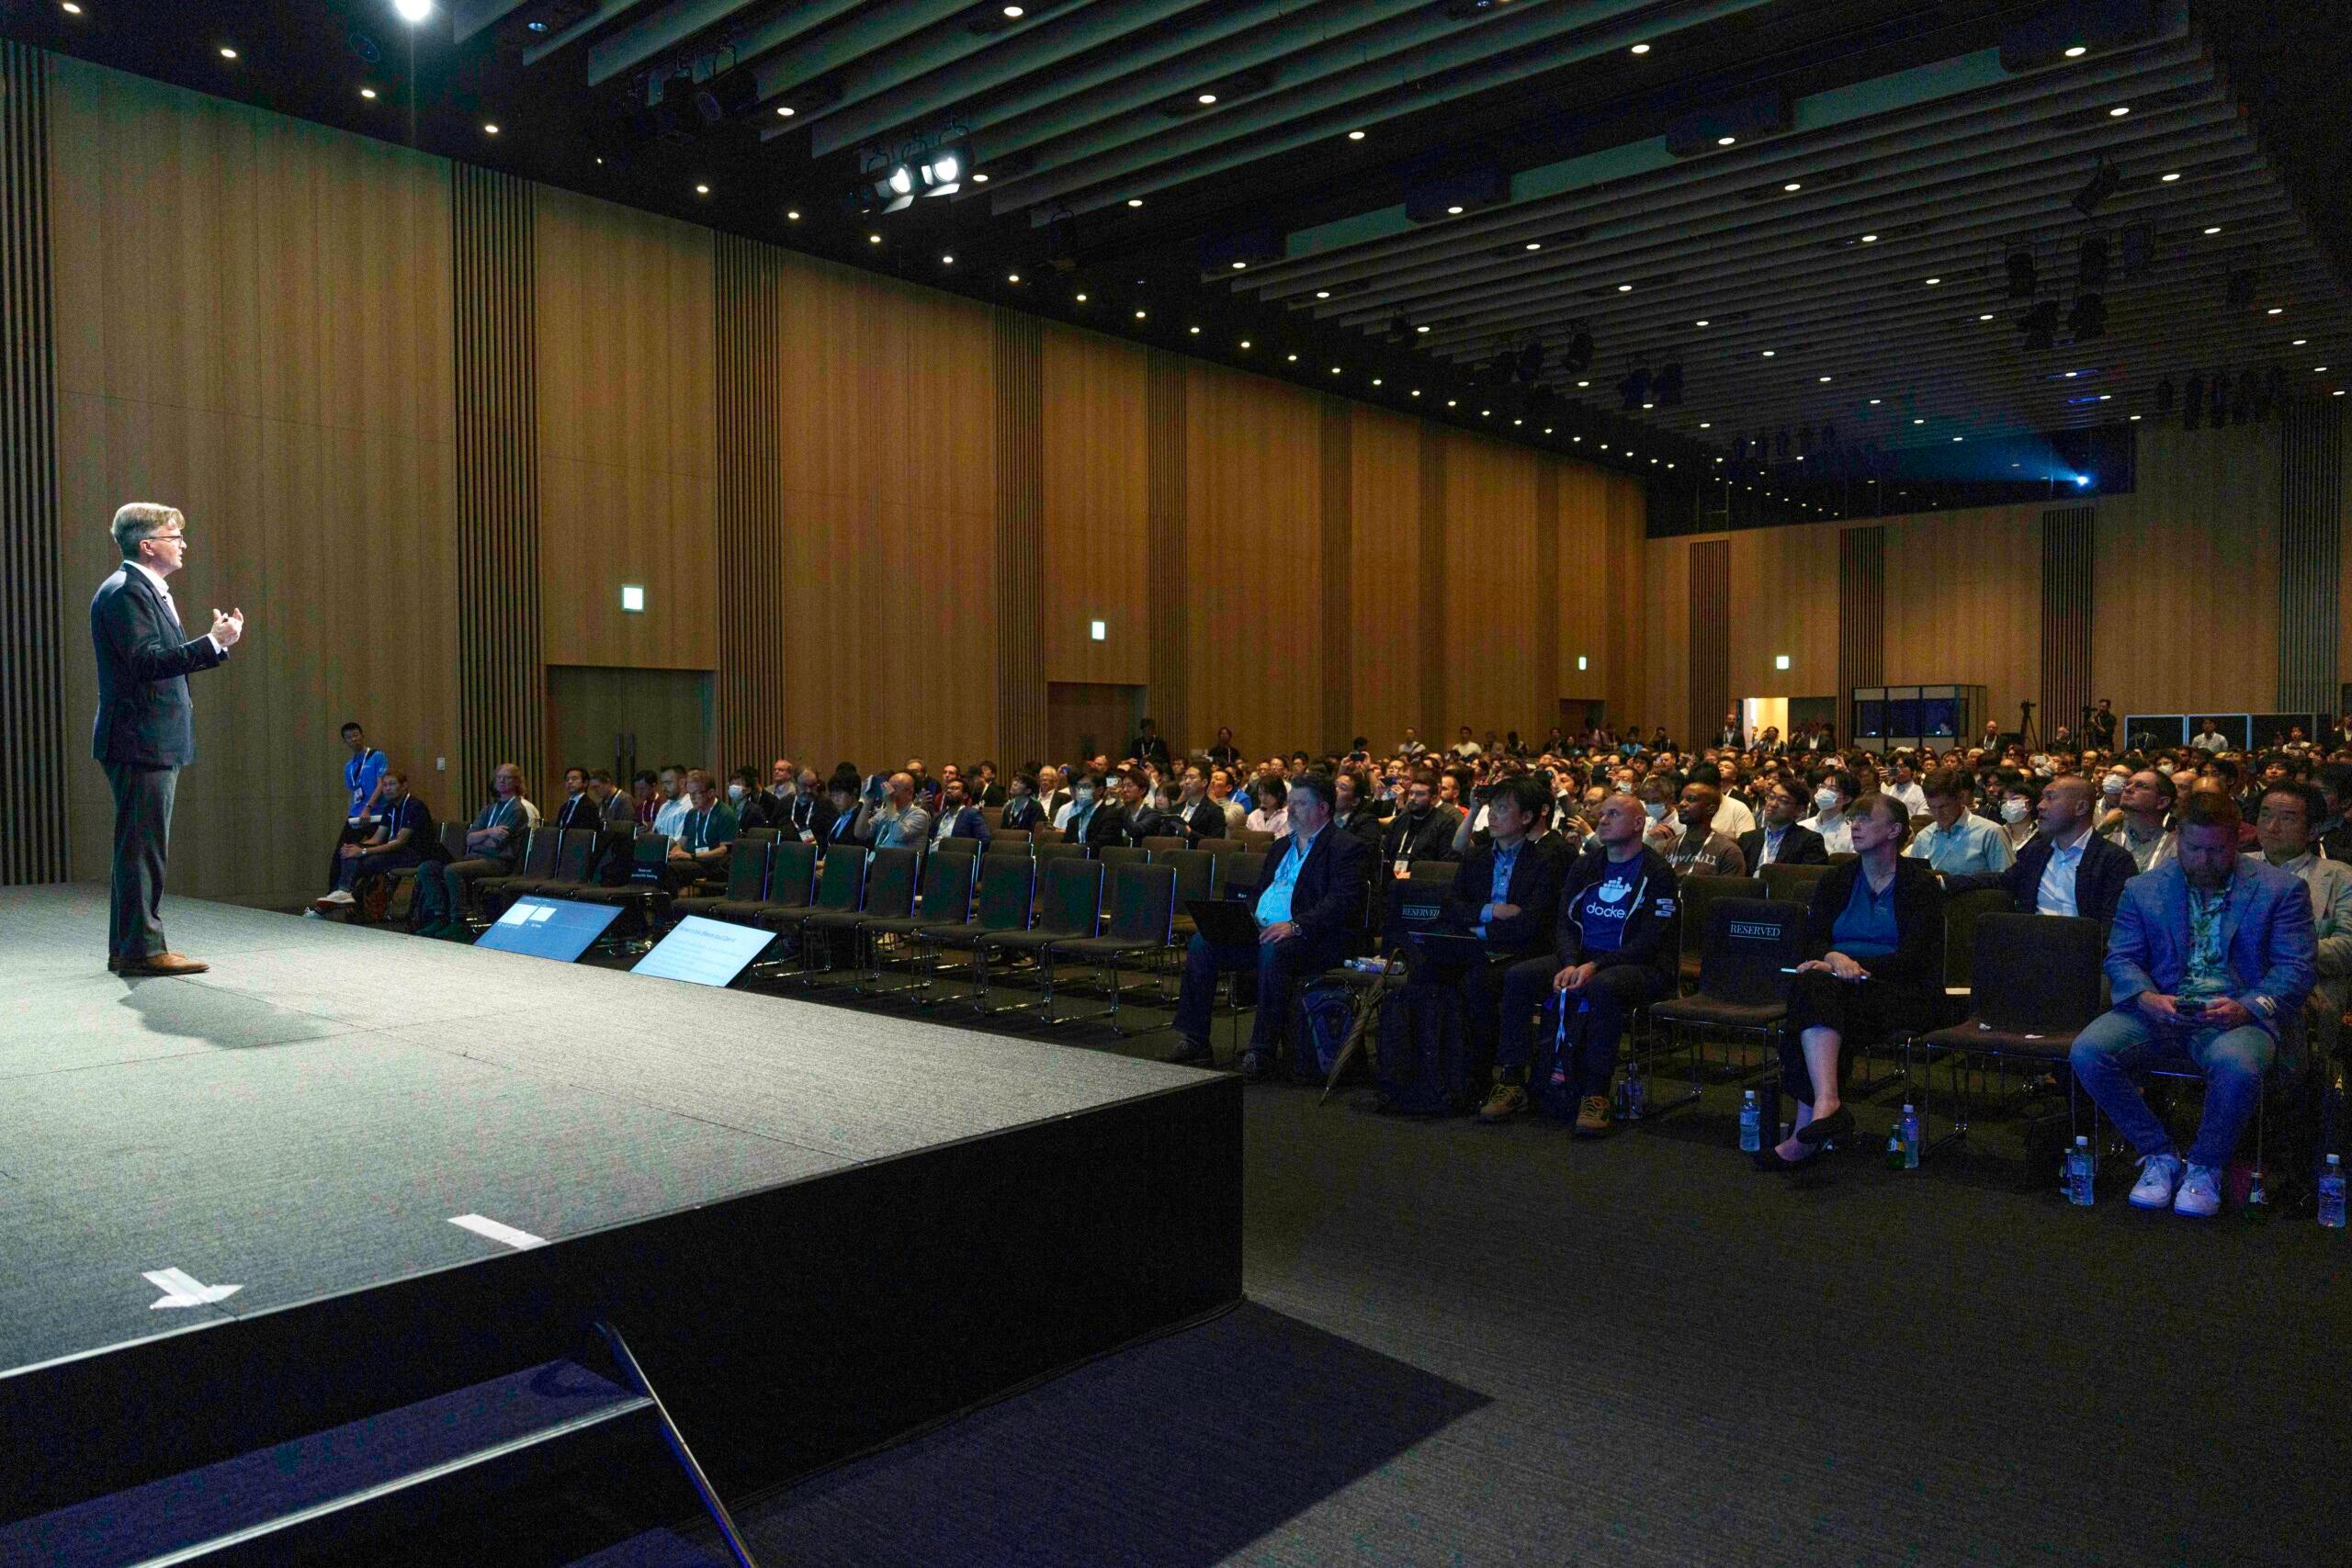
(2078, 1173)
(1910, 1129)
(2331, 1193)
(1894, 1147)
(1636, 1091)
(1751, 1125)
(2257, 1200)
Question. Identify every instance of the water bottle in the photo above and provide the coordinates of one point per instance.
(1560, 1054)
(2078, 1173)
(1894, 1147)
(1751, 1125)
(1636, 1092)
(2331, 1193)
(1909, 1127)
(2257, 1200)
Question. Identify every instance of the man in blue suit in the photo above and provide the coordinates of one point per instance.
(2210, 960)
(145, 731)
(1309, 905)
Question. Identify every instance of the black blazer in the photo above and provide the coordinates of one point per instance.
(145, 717)
(1433, 839)
(1799, 846)
(2098, 880)
(1023, 813)
(1205, 820)
(580, 811)
(1918, 958)
(1535, 880)
(1107, 826)
(1327, 901)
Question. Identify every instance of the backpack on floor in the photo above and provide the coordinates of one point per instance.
(1326, 1012)
(1423, 1063)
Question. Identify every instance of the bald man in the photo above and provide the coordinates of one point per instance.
(2065, 868)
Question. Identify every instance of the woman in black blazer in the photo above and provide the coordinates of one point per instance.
(1875, 962)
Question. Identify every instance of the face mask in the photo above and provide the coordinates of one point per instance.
(2111, 785)
(2013, 810)
(735, 791)
(1655, 809)
(1825, 800)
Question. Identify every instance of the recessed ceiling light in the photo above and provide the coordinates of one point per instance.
(1140, 315)
(2168, 179)
(1825, 380)
(1081, 299)
(490, 127)
(413, 10)
(1206, 98)
(1290, 358)
(1375, 380)
(1134, 201)
(2298, 342)
(1335, 370)
(1986, 317)
(1870, 239)
(1012, 277)
(366, 92)
(2075, 52)
(2274, 311)
(1919, 422)
(1240, 264)
(1355, 136)
(1322, 294)
(1700, 323)
(702, 190)
(1195, 330)
(1770, 352)
(2072, 374)
(70, 8)
(2138, 416)
(1933, 281)
(948, 260)
(1649, 405)
(2318, 369)
(1417, 391)
(1960, 438)
(1875, 402)
(1584, 383)
(874, 238)
(1245, 343)
(1014, 13)
(792, 214)
(1793, 185)
(784, 111)
(1706, 424)
(1421, 328)
(2107, 397)
(1641, 48)
(1624, 288)
(1720, 141)
(228, 53)
(2118, 111)
(2214, 229)
(979, 179)
(1449, 402)
(1534, 244)
(1455, 210)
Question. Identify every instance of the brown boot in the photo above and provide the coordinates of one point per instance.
(163, 963)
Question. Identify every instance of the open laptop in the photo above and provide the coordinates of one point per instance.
(1225, 921)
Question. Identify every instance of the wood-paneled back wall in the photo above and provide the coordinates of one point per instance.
(2176, 597)
(426, 421)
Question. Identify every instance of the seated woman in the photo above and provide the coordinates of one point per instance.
(1874, 939)
(1268, 816)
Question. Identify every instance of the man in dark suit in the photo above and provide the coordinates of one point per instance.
(2065, 868)
(1023, 812)
(1507, 894)
(1147, 746)
(145, 731)
(1309, 905)
(1202, 818)
(1138, 818)
(958, 817)
(1781, 839)
(1423, 829)
(580, 808)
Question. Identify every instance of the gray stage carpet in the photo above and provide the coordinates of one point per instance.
(309, 1117)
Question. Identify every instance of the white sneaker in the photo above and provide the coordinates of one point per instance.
(2159, 1174)
(340, 896)
(313, 914)
(2201, 1193)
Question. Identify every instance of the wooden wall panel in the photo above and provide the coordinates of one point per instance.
(1336, 545)
(1585, 610)
(889, 449)
(1167, 551)
(1708, 634)
(1254, 544)
(1631, 638)
(2069, 616)
(755, 664)
(1437, 641)
(1385, 580)
(1489, 586)
(2311, 556)
(1861, 616)
(1666, 630)
(1964, 601)
(628, 380)
(1020, 536)
(255, 324)
(1784, 600)
(1097, 511)
(1545, 645)
(33, 842)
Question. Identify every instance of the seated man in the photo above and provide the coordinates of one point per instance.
(579, 809)
(1957, 843)
(1138, 818)
(1700, 849)
(1614, 950)
(1507, 895)
(1423, 829)
(2064, 869)
(698, 852)
(1309, 905)
(753, 806)
(1202, 818)
(2143, 814)
(1356, 814)
(1783, 839)
(2284, 827)
(1023, 813)
(493, 843)
(893, 821)
(404, 827)
(616, 811)
(2210, 954)
(958, 818)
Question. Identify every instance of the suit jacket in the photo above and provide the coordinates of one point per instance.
(1023, 813)
(1150, 822)
(580, 811)
(1535, 879)
(1150, 749)
(1327, 901)
(1799, 846)
(2268, 940)
(1205, 818)
(1107, 826)
(1433, 839)
(145, 717)
(1918, 958)
(2098, 880)
(970, 824)
(1364, 822)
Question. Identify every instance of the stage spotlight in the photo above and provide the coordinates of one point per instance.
(1577, 357)
(413, 11)
(2024, 280)
(2192, 402)
(2040, 325)
(2104, 182)
(1635, 390)
(1667, 386)
(2088, 319)
(2090, 262)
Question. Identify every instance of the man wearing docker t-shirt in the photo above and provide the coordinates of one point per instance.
(1616, 950)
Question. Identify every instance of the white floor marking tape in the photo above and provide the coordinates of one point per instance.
(507, 1235)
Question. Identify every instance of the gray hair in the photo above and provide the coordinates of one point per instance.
(137, 520)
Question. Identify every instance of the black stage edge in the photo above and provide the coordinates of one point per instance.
(787, 1327)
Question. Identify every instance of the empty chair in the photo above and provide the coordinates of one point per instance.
(1143, 911)
(1196, 879)
(889, 894)
(1238, 873)
(1742, 992)
(761, 835)
(945, 898)
(1158, 844)
(643, 891)
(1221, 846)
(1006, 841)
(537, 864)
(839, 887)
(1057, 849)
(1007, 885)
(792, 881)
(957, 846)
(1070, 906)
(1432, 869)
(1122, 854)
(747, 877)
(2037, 985)
(1962, 911)
(1793, 883)
(1698, 893)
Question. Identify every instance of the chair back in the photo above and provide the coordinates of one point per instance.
(1237, 874)
(948, 886)
(1006, 842)
(1749, 942)
(1432, 869)
(648, 857)
(1057, 849)
(575, 855)
(1960, 914)
(1839, 857)
(1256, 839)
(1158, 844)
(1122, 854)
(1220, 846)
(538, 851)
(1008, 885)
(953, 846)
(993, 816)
(1699, 895)
(1073, 897)
(891, 883)
(2037, 974)
(1195, 872)
(1143, 903)
(453, 840)
(1793, 882)
(841, 885)
(615, 846)
(792, 873)
(761, 835)
(747, 870)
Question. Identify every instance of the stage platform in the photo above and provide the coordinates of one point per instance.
(819, 1226)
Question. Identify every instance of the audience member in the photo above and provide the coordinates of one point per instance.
(1905, 784)
(1224, 754)
(1699, 848)
(674, 802)
(1021, 811)
(890, 820)
(1422, 831)
(1138, 818)
(1732, 818)
(2209, 738)
(1147, 746)
(1202, 817)
(403, 828)
(1357, 814)
(645, 797)
(493, 843)
(2066, 869)
(2209, 953)
(1466, 748)
(363, 775)
(698, 851)
(2143, 828)
(579, 809)
(2010, 796)
(1268, 816)
(1412, 750)
(2288, 812)
(958, 818)
(614, 811)
(1833, 798)
(1505, 894)
(1783, 839)
(753, 806)
(1957, 843)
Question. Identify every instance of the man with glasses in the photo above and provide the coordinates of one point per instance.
(145, 731)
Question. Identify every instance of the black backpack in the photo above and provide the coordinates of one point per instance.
(1423, 1063)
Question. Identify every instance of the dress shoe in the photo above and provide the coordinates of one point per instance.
(1772, 1162)
(1837, 1125)
(1189, 1054)
(1256, 1066)
(163, 963)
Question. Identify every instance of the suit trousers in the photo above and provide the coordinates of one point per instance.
(142, 833)
(1282, 967)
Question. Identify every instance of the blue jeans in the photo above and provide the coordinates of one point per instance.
(2121, 1042)
(1281, 966)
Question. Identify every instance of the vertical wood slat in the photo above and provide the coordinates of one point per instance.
(1431, 580)
(32, 682)
(751, 686)
(1168, 514)
(1020, 383)
(2311, 556)
(1861, 618)
(1339, 581)
(1547, 591)
(1710, 636)
(2069, 587)
(501, 681)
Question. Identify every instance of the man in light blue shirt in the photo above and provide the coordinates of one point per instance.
(1959, 843)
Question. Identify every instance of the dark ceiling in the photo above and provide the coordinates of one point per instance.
(1600, 210)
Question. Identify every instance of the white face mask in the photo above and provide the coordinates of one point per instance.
(1656, 809)
(2111, 785)
(1825, 800)
(2014, 809)
(735, 791)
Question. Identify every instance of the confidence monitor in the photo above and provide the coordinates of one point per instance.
(704, 953)
(548, 928)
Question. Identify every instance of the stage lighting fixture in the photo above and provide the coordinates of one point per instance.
(725, 95)
(2239, 289)
(1666, 387)
(2192, 403)
(2164, 396)
(2090, 262)
(1635, 390)
(1579, 355)
(413, 11)
(2041, 324)
(2024, 281)
(2088, 319)
(2104, 182)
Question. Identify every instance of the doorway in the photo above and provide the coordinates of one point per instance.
(1759, 713)
(600, 716)
(1082, 718)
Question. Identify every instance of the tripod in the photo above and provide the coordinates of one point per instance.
(2028, 736)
